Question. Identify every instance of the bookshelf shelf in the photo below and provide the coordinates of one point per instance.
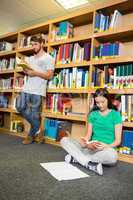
(6, 90)
(83, 64)
(114, 60)
(7, 53)
(126, 158)
(53, 142)
(17, 90)
(4, 129)
(6, 71)
(5, 110)
(67, 90)
(71, 40)
(121, 34)
(81, 118)
(121, 91)
(10, 36)
(128, 124)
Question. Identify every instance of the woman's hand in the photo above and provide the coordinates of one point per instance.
(95, 145)
(83, 141)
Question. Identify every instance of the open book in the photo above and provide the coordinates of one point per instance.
(23, 64)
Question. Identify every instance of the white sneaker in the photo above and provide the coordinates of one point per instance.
(96, 167)
(69, 159)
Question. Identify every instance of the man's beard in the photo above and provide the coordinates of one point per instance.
(36, 52)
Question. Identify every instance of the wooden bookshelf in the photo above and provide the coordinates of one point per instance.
(113, 60)
(74, 117)
(6, 90)
(7, 53)
(128, 124)
(71, 40)
(126, 158)
(67, 90)
(5, 110)
(124, 33)
(4, 130)
(50, 141)
(83, 64)
(6, 71)
(83, 21)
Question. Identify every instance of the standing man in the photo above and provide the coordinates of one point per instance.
(29, 101)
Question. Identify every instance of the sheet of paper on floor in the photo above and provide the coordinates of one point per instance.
(63, 171)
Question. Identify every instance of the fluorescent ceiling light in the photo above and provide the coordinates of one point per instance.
(67, 4)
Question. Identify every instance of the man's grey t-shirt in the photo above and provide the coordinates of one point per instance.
(37, 85)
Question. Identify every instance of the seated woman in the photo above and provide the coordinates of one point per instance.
(103, 135)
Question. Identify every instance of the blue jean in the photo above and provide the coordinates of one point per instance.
(29, 107)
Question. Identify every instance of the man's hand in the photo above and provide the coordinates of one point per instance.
(30, 72)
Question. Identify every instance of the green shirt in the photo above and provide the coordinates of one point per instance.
(103, 127)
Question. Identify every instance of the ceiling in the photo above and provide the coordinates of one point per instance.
(17, 14)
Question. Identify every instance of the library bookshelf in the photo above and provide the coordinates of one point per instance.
(85, 31)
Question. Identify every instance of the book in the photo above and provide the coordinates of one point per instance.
(22, 64)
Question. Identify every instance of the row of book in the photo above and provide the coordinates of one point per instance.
(72, 53)
(107, 22)
(119, 77)
(126, 107)
(115, 77)
(108, 49)
(7, 64)
(126, 146)
(19, 82)
(7, 46)
(17, 126)
(56, 129)
(25, 41)
(62, 31)
(6, 83)
(3, 101)
(10, 83)
(70, 78)
(58, 103)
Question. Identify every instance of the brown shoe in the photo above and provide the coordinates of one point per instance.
(27, 140)
(38, 139)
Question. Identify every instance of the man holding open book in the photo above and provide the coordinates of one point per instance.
(39, 69)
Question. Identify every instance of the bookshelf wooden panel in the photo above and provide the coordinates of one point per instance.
(4, 130)
(83, 64)
(71, 40)
(121, 34)
(67, 90)
(81, 118)
(83, 22)
(128, 124)
(126, 158)
(9, 36)
(6, 71)
(7, 53)
(113, 60)
(53, 142)
(5, 110)
(6, 90)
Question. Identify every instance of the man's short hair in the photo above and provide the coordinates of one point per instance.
(37, 38)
